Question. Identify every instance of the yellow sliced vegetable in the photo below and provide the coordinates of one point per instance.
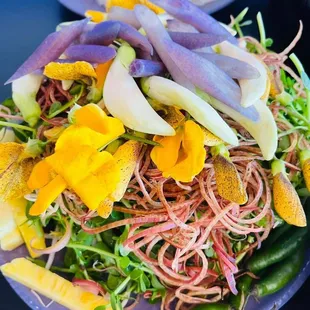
(10, 237)
(69, 71)
(51, 285)
(228, 181)
(32, 233)
(286, 200)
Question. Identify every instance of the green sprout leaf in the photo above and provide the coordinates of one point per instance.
(305, 79)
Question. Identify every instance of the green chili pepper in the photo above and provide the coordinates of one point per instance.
(215, 306)
(281, 274)
(284, 247)
(238, 301)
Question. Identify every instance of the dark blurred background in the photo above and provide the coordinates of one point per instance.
(25, 23)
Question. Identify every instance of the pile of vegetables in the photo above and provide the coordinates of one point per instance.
(162, 156)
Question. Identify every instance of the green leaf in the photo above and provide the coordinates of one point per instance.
(75, 89)
(9, 103)
(136, 274)
(209, 252)
(54, 107)
(70, 258)
(101, 308)
(113, 282)
(144, 282)
(115, 302)
(124, 262)
(155, 282)
(305, 80)
(269, 42)
(84, 238)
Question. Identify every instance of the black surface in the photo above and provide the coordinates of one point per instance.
(24, 23)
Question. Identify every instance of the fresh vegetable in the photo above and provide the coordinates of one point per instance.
(281, 249)
(51, 285)
(157, 35)
(105, 33)
(259, 128)
(24, 91)
(252, 90)
(116, 102)
(194, 41)
(170, 93)
(286, 200)
(281, 274)
(90, 53)
(10, 237)
(206, 75)
(144, 68)
(235, 68)
(239, 301)
(216, 306)
(50, 49)
(188, 13)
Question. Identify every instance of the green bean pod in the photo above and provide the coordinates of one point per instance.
(238, 301)
(214, 306)
(284, 247)
(280, 275)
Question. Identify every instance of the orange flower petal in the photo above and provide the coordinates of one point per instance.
(47, 195)
(192, 156)
(96, 16)
(102, 72)
(41, 174)
(166, 155)
(69, 71)
(130, 4)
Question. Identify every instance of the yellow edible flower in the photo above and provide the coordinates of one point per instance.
(16, 165)
(69, 71)
(77, 164)
(130, 4)
(286, 200)
(181, 156)
(96, 16)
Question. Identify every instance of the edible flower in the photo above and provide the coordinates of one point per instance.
(96, 16)
(286, 200)
(181, 156)
(77, 164)
(69, 71)
(126, 158)
(130, 4)
(16, 164)
(228, 181)
(304, 157)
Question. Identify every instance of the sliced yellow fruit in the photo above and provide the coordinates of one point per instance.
(286, 200)
(10, 237)
(51, 285)
(31, 232)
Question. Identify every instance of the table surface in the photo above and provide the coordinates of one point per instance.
(24, 24)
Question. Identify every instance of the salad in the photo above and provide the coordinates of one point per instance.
(160, 155)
